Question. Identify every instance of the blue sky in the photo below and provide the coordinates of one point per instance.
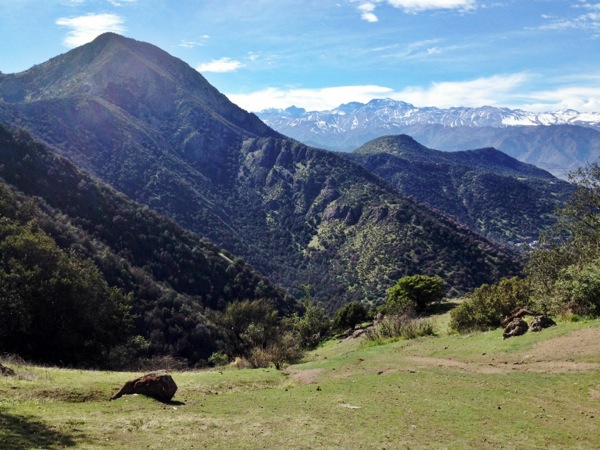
(539, 55)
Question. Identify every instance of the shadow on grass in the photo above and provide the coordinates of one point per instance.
(21, 432)
(436, 309)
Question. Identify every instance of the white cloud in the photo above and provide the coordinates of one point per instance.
(367, 9)
(310, 99)
(191, 44)
(121, 2)
(367, 14)
(415, 6)
(492, 91)
(510, 90)
(222, 65)
(580, 98)
(588, 21)
(85, 28)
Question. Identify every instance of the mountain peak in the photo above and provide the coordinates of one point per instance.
(401, 144)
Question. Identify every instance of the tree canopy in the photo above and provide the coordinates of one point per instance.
(414, 293)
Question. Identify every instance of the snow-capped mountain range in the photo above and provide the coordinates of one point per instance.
(559, 142)
(394, 113)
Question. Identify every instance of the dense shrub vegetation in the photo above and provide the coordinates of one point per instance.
(54, 305)
(72, 244)
(348, 316)
(412, 294)
(563, 275)
(489, 304)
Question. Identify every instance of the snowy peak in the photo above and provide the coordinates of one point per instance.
(391, 113)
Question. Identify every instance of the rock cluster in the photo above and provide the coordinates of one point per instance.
(515, 325)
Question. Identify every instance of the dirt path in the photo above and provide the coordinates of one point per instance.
(575, 352)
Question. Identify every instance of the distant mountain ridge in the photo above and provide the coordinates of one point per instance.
(558, 142)
(402, 113)
(153, 128)
(502, 198)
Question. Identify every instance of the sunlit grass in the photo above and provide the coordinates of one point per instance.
(447, 391)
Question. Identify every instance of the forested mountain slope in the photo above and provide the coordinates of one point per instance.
(172, 276)
(154, 129)
(502, 198)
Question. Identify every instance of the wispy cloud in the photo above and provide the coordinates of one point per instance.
(121, 2)
(367, 9)
(588, 21)
(201, 41)
(221, 65)
(578, 97)
(85, 28)
(510, 90)
(112, 2)
(414, 50)
(493, 91)
(417, 6)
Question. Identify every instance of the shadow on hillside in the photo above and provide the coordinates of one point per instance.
(19, 432)
(436, 309)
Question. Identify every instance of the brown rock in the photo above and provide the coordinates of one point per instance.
(6, 371)
(540, 322)
(159, 386)
(516, 327)
(517, 314)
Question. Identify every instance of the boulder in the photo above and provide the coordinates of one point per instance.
(159, 386)
(6, 371)
(540, 322)
(517, 314)
(516, 327)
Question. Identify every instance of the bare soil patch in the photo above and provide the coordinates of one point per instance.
(576, 352)
(580, 345)
(307, 376)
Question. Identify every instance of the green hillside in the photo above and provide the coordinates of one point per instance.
(503, 199)
(154, 129)
(172, 278)
(536, 391)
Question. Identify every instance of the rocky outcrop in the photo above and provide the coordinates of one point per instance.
(159, 386)
(6, 371)
(517, 314)
(540, 322)
(516, 327)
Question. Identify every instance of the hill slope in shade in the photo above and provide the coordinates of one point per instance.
(175, 277)
(504, 199)
(153, 128)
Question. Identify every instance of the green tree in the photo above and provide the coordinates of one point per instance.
(563, 273)
(412, 294)
(314, 324)
(55, 306)
(489, 304)
(348, 316)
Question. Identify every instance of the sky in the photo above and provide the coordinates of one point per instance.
(536, 55)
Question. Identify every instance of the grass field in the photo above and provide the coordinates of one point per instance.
(479, 391)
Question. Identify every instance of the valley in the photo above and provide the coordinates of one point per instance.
(301, 225)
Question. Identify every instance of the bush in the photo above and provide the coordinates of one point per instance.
(285, 351)
(349, 316)
(400, 326)
(313, 326)
(489, 304)
(578, 290)
(218, 359)
(412, 294)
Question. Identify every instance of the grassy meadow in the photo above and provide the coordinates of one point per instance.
(540, 390)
